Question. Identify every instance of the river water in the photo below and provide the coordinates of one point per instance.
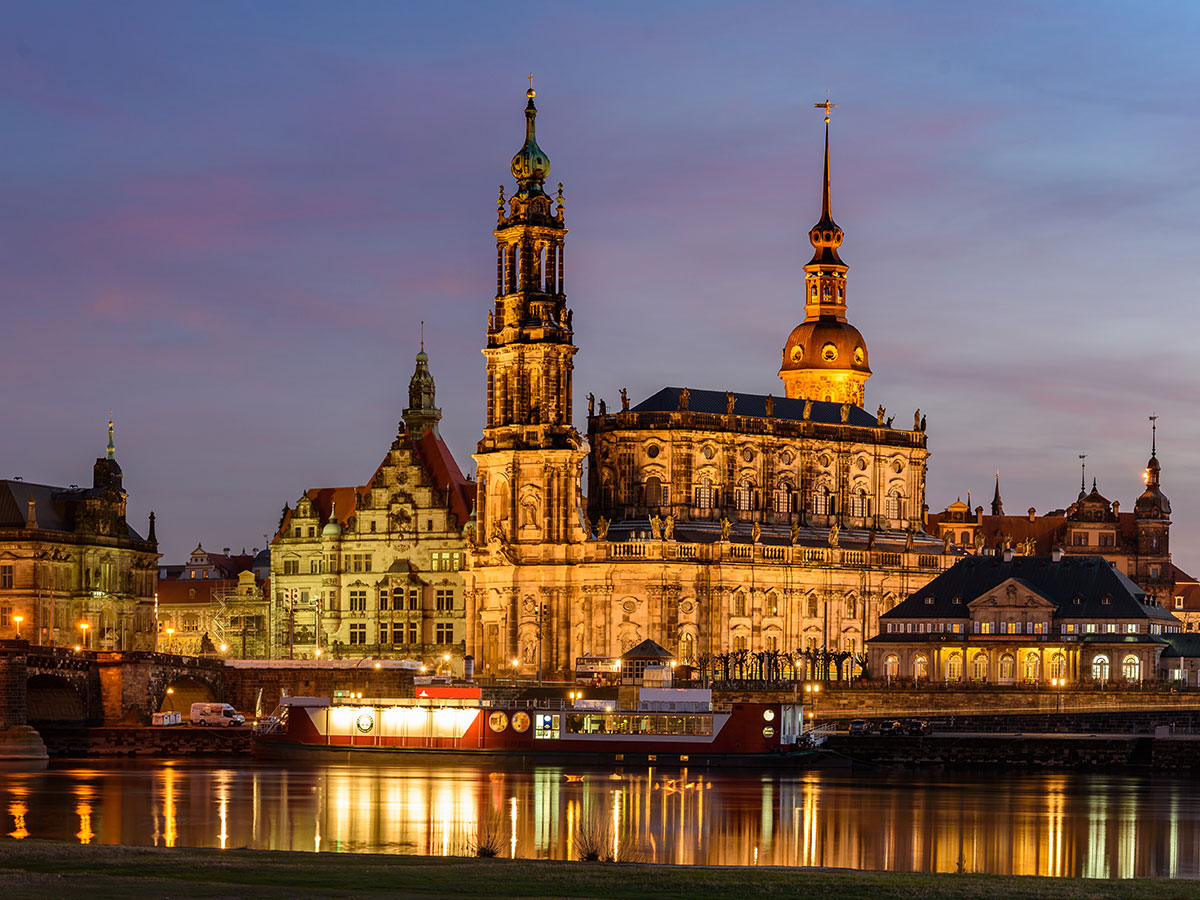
(1074, 824)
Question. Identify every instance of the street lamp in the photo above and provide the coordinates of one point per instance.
(18, 620)
(224, 647)
(812, 689)
(1058, 684)
(84, 626)
(516, 662)
(170, 636)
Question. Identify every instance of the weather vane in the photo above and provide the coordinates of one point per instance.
(827, 106)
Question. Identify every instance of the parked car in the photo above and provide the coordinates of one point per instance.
(891, 726)
(216, 714)
(860, 726)
(917, 727)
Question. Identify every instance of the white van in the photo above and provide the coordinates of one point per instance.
(216, 714)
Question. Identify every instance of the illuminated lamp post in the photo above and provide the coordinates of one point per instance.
(84, 626)
(170, 638)
(1058, 684)
(812, 689)
(516, 662)
(18, 620)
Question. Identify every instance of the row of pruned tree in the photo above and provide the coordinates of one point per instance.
(802, 664)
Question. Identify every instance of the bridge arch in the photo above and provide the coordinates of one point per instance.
(52, 698)
(179, 695)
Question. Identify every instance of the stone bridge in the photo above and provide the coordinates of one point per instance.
(58, 685)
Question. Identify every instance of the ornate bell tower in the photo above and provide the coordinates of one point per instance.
(825, 357)
(529, 461)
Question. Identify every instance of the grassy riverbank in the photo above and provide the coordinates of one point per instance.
(32, 869)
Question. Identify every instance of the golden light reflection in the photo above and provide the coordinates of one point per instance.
(83, 809)
(170, 832)
(512, 849)
(17, 810)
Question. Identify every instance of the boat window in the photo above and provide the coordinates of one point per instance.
(545, 725)
(616, 723)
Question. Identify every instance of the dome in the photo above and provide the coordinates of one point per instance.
(826, 344)
(531, 163)
(331, 529)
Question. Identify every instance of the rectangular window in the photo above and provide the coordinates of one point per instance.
(290, 567)
(412, 633)
(1090, 628)
(1179, 603)
(304, 596)
(414, 598)
(445, 599)
(1079, 538)
(383, 632)
(444, 633)
(739, 643)
(358, 633)
(358, 600)
(985, 627)
(331, 563)
(1130, 628)
(314, 567)
(5, 616)
(1107, 540)
(383, 598)
(6, 577)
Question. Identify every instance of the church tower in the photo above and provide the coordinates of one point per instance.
(1152, 515)
(825, 357)
(422, 412)
(530, 458)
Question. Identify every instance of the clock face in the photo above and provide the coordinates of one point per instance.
(858, 355)
(797, 353)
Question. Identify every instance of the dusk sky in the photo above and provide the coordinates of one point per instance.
(226, 220)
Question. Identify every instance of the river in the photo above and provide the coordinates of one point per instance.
(1072, 824)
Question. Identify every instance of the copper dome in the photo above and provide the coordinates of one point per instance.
(825, 344)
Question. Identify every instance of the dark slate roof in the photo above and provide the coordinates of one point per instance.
(754, 405)
(14, 505)
(647, 649)
(1089, 577)
(1180, 645)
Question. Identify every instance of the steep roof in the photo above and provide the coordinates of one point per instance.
(1090, 578)
(437, 460)
(755, 405)
(647, 649)
(14, 505)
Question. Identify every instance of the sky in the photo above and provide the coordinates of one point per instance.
(226, 221)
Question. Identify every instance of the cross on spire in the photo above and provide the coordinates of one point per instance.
(827, 106)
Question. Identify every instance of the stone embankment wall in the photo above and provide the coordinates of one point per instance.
(1028, 753)
(243, 685)
(835, 703)
(167, 741)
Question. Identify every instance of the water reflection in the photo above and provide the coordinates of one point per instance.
(1053, 824)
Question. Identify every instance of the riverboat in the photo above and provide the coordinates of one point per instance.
(664, 726)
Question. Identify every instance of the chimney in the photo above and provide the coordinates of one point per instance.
(979, 515)
(1116, 507)
(1008, 554)
(31, 518)
(1056, 554)
(1032, 514)
(225, 550)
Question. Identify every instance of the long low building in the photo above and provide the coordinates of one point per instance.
(1008, 619)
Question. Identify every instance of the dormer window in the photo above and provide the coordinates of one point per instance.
(957, 601)
(1106, 600)
(929, 601)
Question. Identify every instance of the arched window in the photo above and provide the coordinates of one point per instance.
(744, 496)
(954, 667)
(891, 666)
(1131, 668)
(858, 503)
(965, 539)
(687, 646)
(1100, 668)
(812, 607)
(1008, 667)
(1058, 666)
(979, 667)
(920, 667)
(893, 510)
(851, 607)
(821, 502)
(739, 604)
(1033, 667)
(783, 499)
(654, 492)
(704, 494)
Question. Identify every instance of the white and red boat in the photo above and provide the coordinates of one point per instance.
(666, 725)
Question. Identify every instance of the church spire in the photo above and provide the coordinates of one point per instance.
(111, 450)
(997, 503)
(531, 165)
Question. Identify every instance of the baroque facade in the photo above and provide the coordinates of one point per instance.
(1011, 619)
(377, 569)
(1138, 543)
(69, 558)
(715, 521)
